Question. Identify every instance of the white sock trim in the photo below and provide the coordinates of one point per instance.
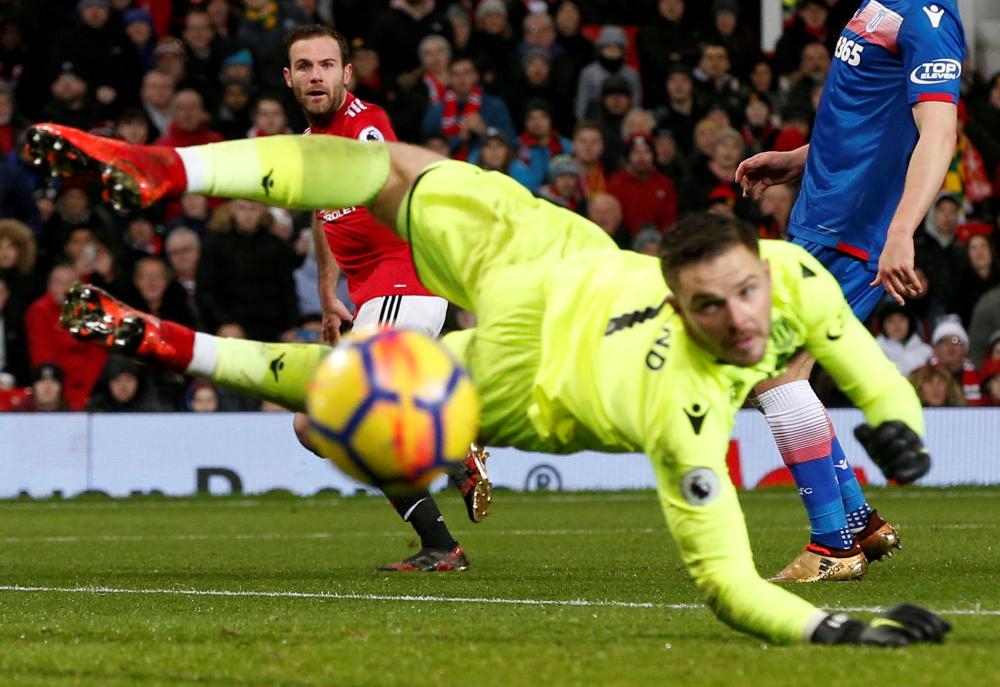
(194, 168)
(790, 396)
(204, 357)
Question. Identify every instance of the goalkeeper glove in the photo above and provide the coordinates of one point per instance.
(899, 626)
(896, 449)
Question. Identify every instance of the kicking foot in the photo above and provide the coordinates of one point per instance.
(431, 560)
(878, 538)
(472, 480)
(130, 176)
(818, 563)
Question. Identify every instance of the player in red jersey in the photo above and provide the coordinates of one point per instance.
(381, 278)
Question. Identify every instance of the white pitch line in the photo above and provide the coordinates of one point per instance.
(408, 598)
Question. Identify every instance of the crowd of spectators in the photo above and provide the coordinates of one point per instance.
(628, 113)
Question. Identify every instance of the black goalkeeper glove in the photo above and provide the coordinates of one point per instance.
(899, 626)
(896, 449)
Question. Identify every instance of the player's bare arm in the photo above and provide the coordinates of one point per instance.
(335, 313)
(937, 123)
(771, 168)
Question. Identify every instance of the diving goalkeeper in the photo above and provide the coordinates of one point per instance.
(578, 346)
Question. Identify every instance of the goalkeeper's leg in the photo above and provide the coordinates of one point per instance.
(276, 372)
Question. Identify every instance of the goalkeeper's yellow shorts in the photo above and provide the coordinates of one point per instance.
(484, 242)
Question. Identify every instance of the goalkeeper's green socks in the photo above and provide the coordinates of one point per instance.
(302, 172)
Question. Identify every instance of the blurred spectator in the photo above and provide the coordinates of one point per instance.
(808, 25)
(269, 117)
(366, 80)
(796, 127)
(495, 154)
(232, 119)
(714, 85)
(721, 201)
(740, 42)
(183, 249)
(935, 246)
(536, 81)
(194, 214)
(22, 69)
(16, 198)
(11, 125)
(492, 44)
(263, 29)
(638, 121)
(775, 208)
(70, 102)
(102, 54)
(138, 25)
(936, 388)
(759, 131)
(46, 391)
(153, 290)
(238, 67)
(125, 387)
(92, 259)
(563, 188)
(610, 44)
(647, 241)
(17, 257)
(762, 82)
(679, 111)
(539, 32)
(204, 50)
(435, 58)
(170, 57)
(663, 43)
(245, 273)
(132, 125)
(465, 112)
(899, 339)
(190, 123)
(604, 210)
(537, 146)
(990, 385)
(669, 160)
(156, 96)
(437, 143)
(646, 196)
(978, 272)
(616, 101)
(142, 237)
(984, 126)
(461, 30)
(50, 343)
(951, 351)
(579, 50)
(225, 21)
(398, 30)
(967, 177)
(202, 397)
(985, 323)
(588, 149)
(720, 173)
(797, 87)
(13, 346)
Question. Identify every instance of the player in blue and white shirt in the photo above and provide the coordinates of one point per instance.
(883, 138)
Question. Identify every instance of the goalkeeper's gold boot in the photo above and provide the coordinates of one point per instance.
(878, 538)
(472, 480)
(818, 564)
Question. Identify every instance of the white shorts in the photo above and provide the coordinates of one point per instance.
(420, 313)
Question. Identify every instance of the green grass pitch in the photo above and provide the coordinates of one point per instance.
(564, 589)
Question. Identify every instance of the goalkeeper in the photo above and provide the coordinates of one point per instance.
(578, 346)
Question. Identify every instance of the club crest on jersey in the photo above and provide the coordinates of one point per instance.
(875, 21)
(877, 24)
(936, 71)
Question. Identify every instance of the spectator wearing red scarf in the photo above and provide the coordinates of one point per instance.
(465, 112)
(537, 145)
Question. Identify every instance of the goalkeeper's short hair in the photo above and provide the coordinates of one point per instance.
(700, 236)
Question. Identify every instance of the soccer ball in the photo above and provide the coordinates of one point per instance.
(392, 408)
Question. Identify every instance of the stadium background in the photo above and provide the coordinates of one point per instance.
(700, 90)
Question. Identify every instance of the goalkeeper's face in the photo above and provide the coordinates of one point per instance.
(318, 77)
(725, 303)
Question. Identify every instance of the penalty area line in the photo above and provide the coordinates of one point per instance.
(412, 598)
